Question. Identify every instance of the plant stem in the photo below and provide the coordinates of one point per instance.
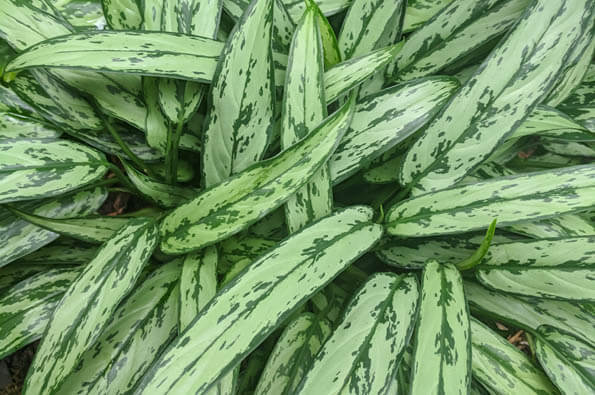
(125, 147)
(171, 159)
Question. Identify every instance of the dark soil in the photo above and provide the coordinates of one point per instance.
(13, 370)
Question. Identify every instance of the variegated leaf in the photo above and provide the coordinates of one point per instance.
(568, 362)
(19, 237)
(85, 309)
(139, 330)
(419, 11)
(442, 356)
(501, 367)
(26, 307)
(240, 118)
(512, 200)
(91, 230)
(530, 313)
(549, 122)
(188, 57)
(365, 349)
(165, 195)
(386, 118)
(304, 107)
(487, 109)
(233, 205)
(456, 31)
(63, 251)
(253, 304)
(549, 268)
(32, 169)
(293, 355)
(122, 14)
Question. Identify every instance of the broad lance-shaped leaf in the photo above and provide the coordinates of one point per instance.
(442, 356)
(165, 195)
(19, 126)
(415, 253)
(293, 354)
(362, 354)
(23, 25)
(32, 169)
(361, 33)
(501, 367)
(580, 105)
(148, 53)
(512, 200)
(568, 361)
(456, 31)
(384, 119)
(61, 252)
(254, 303)
(419, 11)
(138, 331)
(548, 122)
(231, 206)
(530, 313)
(550, 268)
(198, 285)
(352, 72)
(122, 14)
(91, 230)
(240, 119)
(19, 237)
(486, 109)
(26, 307)
(304, 107)
(89, 303)
(179, 99)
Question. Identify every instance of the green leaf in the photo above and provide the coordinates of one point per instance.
(237, 248)
(304, 107)
(86, 308)
(386, 118)
(240, 118)
(361, 33)
(549, 268)
(351, 73)
(13, 274)
(330, 46)
(198, 284)
(231, 206)
(253, 304)
(365, 349)
(122, 14)
(453, 33)
(82, 13)
(486, 109)
(43, 168)
(186, 57)
(138, 331)
(414, 253)
(480, 252)
(510, 199)
(26, 307)
(61, 252)
(442, 356)
(419, 11)
(530, 313)
(568, 362)
(579, 105)
(548, 122)
(19, 237)
(91, 230)
(164, 195)
(293, 355)
(501, 368)
(17, 126)
(327, 7)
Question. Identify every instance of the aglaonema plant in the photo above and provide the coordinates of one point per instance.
(275, 197)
